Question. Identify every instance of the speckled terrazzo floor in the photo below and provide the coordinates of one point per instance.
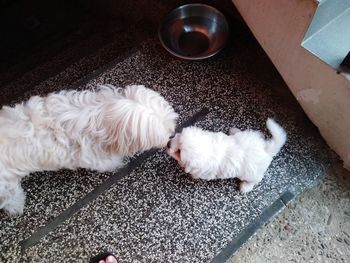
(155, 213)
(314, 228)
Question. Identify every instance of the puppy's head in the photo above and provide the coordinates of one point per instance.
(142, 119)
(193, 150)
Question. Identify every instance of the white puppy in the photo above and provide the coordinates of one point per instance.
(242, 154)
(72, 129)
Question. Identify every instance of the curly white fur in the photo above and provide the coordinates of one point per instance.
(72, 129)
(242, 154)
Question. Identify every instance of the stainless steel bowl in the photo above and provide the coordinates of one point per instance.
(194, 31)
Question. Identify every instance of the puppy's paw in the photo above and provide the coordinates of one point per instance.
(174, 153)
(246, 187)
(233, 131)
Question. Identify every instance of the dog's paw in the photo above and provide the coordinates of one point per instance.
(15, 205)
(14, 210)
(246, 187)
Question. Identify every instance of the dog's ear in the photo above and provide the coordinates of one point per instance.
(118, 122)
(140, 120)
(129, 128)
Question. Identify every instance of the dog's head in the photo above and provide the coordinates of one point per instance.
(193, 149)
(142, 119)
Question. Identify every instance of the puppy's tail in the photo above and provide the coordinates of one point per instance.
(279, 137)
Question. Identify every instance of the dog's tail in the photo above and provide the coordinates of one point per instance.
(279, 137)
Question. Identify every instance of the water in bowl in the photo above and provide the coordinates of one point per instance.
(194, 39)
(193, 43)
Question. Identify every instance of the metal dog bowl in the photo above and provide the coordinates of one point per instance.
(194, 31)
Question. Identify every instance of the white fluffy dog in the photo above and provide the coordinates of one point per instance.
(242, 154)
(72, 129)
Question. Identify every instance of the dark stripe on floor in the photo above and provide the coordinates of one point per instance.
(43, 231)
(251, 229)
